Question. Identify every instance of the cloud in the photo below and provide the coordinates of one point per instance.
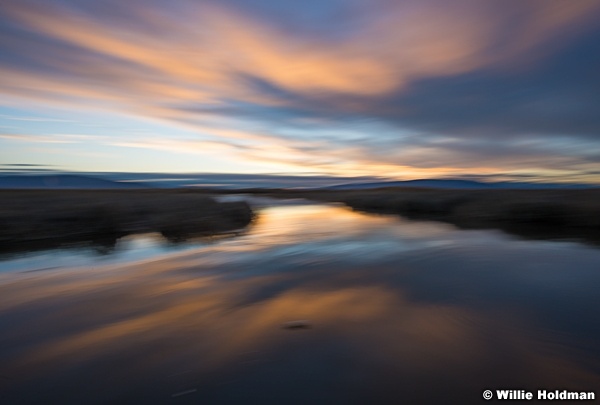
(409, 87)
(27, 165)
(34, 119)
(50, 138)
(33, 138)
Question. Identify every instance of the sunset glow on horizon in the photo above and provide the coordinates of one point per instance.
(389, 88)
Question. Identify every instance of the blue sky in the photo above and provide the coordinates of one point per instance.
(397, 89)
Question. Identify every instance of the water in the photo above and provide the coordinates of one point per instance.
(398, 312)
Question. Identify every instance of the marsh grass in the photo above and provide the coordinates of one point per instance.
(36, 219)
(538, 214)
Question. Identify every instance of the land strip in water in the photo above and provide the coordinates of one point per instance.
(41, 219)
(537, 214)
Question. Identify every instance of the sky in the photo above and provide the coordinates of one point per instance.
(486, 89)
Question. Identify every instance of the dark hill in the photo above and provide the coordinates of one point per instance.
(62, 181)
(457, 184)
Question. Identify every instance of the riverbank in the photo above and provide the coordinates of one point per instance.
(537, 214)
(41, 219)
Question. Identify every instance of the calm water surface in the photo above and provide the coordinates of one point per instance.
(399, 312)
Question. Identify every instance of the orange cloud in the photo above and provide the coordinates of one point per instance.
(210, 56)
(205, 52)
(229, 44)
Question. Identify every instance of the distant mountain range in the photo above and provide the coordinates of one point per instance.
(458, 184)
(62, 181)
(216, 181)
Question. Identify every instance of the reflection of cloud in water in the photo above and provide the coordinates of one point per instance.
(461, 310)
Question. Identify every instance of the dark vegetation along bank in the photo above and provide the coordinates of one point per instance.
(538, 214)
(39, 219)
